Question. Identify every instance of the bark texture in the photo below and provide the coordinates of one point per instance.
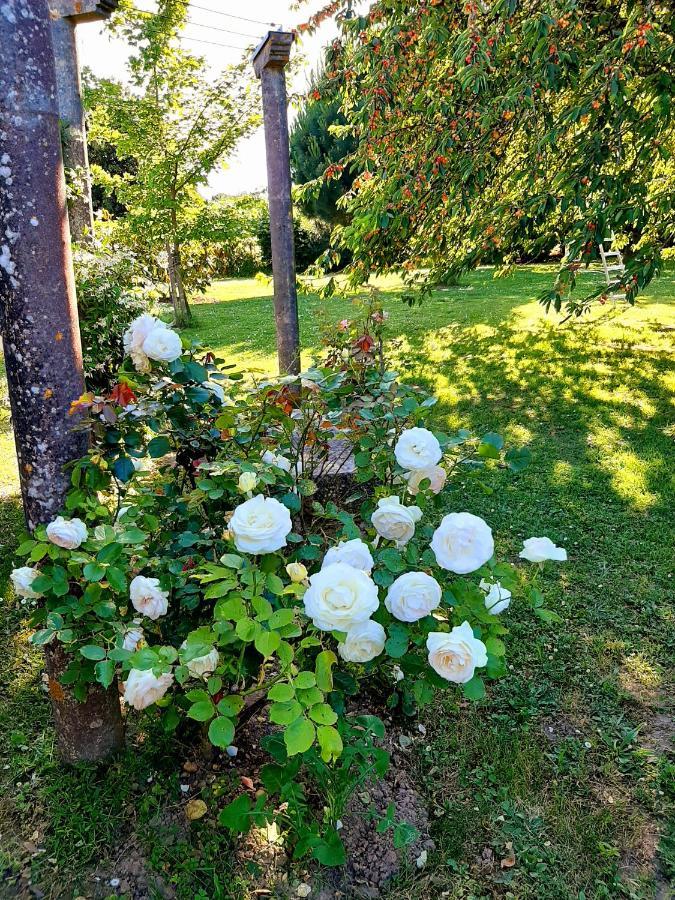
(89, 731)
(38, 319)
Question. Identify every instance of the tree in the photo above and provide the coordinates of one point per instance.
(481, 125)
(316, 147)
(177, 122)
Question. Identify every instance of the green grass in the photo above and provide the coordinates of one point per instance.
(564, 766)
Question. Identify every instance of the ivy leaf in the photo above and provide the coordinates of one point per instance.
(396, 644)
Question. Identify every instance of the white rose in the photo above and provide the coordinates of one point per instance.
(364, 642)
(354, 553)
(456, 656)
(275, 459)
(398, 673)
(132, 638)
(135, 336)
(340, 597)
(22, 579)
(163, 345)
(417, 448)
(296, 572)
(497, 598)
(148, 598)
(142, 688)
(67, 533)
(202, 665)
(462, 543)
(413, 596)
(436, 475)
(247, 482)
(260, 525)
(540, 549)
(394, 521)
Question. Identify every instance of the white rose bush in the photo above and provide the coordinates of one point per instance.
(221, 580)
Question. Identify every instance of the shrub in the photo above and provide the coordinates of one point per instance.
(112, 290)
(196, 559)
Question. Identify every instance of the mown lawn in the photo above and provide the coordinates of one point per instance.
(559, 784)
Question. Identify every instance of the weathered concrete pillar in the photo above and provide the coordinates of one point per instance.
(65, 16)
(38, 313)
(269, 62)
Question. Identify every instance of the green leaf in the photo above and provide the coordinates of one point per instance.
(91, 651)
(330, 851)
(274, 584)
(330, 742)
(236, 815)
(42, 637)
(323, 669)
(474, 689)
(323, 714)
(262, 608)
(396, 644)
(246, 629)
(105, 672)
(547, 615)
(230, 608)
(94, 572)
(281, 693)
(404, 834)
(232, 561)
(202, 711)
(299, 736)
(109, 553)
(518, 459)
(123, 468)
(281, 617)
(231, 706)
(221, 732)
(285, 713)
(158, 446)
(292, 502)
(304, 680)
(117, 580)
(266, 642)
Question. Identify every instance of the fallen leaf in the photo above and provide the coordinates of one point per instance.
(195, 809)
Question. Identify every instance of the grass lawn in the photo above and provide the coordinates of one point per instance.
(559, 784)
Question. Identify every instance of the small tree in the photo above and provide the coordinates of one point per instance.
(177, 122)
(316, 148)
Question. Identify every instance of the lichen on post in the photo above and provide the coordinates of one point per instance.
(38, 310)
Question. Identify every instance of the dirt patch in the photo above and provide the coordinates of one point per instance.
(559, 728)
(130, 877)
(659, 733)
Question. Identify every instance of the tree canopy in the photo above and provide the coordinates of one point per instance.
(484, 125)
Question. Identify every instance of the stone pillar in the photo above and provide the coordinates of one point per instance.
(38, 312)
(269, 62)
(65, 16)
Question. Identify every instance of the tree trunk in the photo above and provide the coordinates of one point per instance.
(38, 313)
(186, 313)
(89, 731)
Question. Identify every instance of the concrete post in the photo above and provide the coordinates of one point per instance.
(65, 16)
(38, 317)
(269, 62)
